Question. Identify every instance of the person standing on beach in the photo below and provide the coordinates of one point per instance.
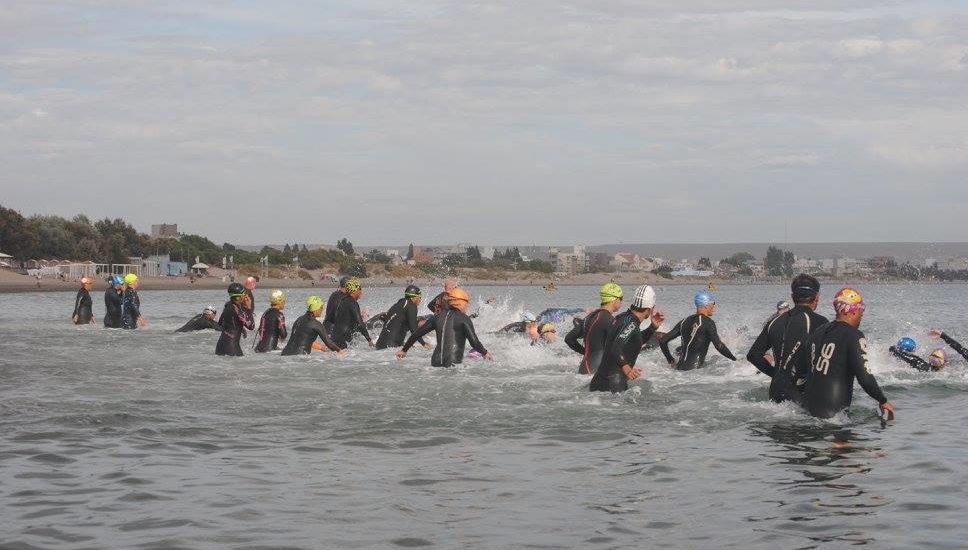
(787, 336)
(838, 355)
(131, 317)
(83, 312)
(593, 329)
(234, 321)
(112, 302)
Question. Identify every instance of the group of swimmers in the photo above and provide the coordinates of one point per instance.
(811, 361)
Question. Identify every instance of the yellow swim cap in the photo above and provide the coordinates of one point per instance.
(609, 292)
(130, 278)
(353, 285)
(314, 303)
(277, 297)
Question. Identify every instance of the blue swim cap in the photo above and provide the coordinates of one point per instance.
(907, 344)
(117, 280)
(703, 298)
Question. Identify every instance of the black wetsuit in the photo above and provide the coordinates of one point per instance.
(272, 329)
(593, 331)
(788, 335)
(519, 326)
(439, 303)
(130, 309)
(378, 319)
(454, 329)
(400, 319)
(911, 359)
(624, 342)
(200, 322)
(329, 316)
(697, 332)
(112, 308)
(234, 321)
(955, 345)
(82, 307)
(304, 332)
(347, 320)
(838, 355)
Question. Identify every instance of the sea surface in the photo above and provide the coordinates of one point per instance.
(146, 439)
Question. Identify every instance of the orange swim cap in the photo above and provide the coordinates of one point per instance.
(457, 295)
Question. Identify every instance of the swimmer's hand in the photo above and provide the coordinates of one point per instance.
(672, 365)
(341, 352)
(935, 333)
(74, 319)
(631, 372)
(401, 354)
(427, 346)
(370, 342)
(489, 356)
(142, 321)
(887, 406)
(657, 318)
(93, 320)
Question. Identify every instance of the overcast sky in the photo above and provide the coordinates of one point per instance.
(503, 121)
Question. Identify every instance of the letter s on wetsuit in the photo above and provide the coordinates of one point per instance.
(83, 307)
(272, 329)
(234, 320)
(838, 354)
(112, 308)
(304, 332)
(454, 329)
(400, 319)
(624, 343)
(788, 335)
(199, 322)
(697, 332)
(911, 359)
(593, 330)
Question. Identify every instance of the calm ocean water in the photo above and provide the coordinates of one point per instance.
(145, 439)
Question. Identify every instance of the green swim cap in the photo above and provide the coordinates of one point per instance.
(314, 303)
(353, 285)
(609, 292)
(130, 278)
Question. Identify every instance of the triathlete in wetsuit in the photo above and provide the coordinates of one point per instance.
(234, 321)
(625, 341)
(112, 302)
(937, 333)
(83, 313)
(329, 317)
(401, 319)
(454, 328)
(528, 325)
(838, 355)
(442, 300)
(593, 330)
(203, 321)
(348, 318)
(697, 332)
(904, 350)
(131, 317)
(272, 325)
(788, 336)
(307, 328)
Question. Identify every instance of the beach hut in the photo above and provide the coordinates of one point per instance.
(200, 269)
(6, 260)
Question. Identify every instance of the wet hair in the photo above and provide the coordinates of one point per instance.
(804, 288)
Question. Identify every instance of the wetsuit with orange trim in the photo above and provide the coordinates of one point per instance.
(593, 331)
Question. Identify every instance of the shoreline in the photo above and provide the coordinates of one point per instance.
(12, 283)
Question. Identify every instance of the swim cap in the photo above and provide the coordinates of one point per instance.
(848, 301)
(352, 285)
(458, 295)
(235, 289)
(704, 299)
(782, 304)
(210, 308)
(610, 292)
(342, 281)
(314, 303)
(87, 281)
(130, 278)
(250, 282)
(907, 344)
(644, 297)
(938, 358)
(528, 317)
(277, 297)
(546, 328)
(804, 287)
(117, 280)
(412, 291)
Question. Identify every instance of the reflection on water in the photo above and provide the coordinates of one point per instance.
(821, 471)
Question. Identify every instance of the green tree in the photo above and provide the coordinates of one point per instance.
(345, 245)
(774, 261)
